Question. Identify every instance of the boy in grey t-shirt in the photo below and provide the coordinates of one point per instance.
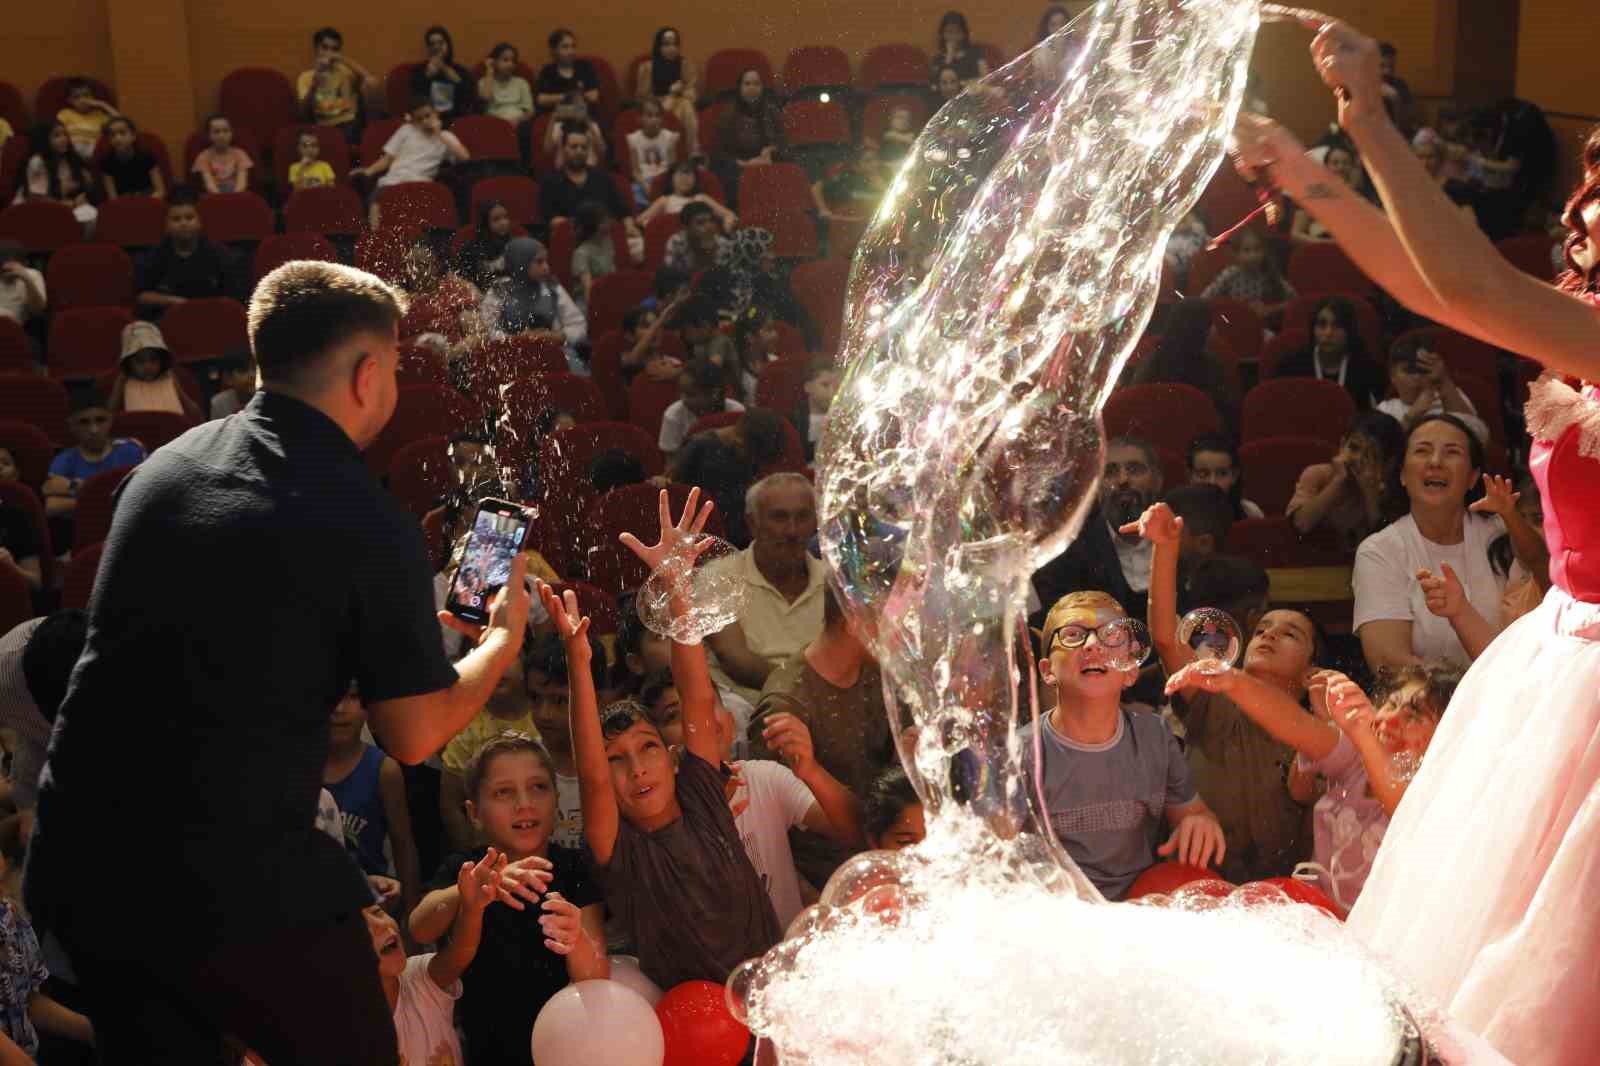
(1111, 776)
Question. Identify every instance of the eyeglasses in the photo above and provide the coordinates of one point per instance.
(1116, 634)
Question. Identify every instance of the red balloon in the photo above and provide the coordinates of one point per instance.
(1165, 877)
(698, 1028)
(1305, 892)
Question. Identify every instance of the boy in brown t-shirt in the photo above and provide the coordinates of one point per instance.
(664, 842)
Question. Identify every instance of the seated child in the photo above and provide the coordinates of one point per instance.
(683, 189)
(127, 169)
(642, 653)
(184, 266)
(1423, 386)
(1206, 514)
(702, 390)
(663, 841)
(898, 137)
(530, 949)
(19, 545)
(223, 166)
(595, 254)
(1367, 756)
(1347, 493)
(145, 378)
(25, 1008)
(641, 347)
(85, 116)
(891, 813)
(652, 148)
(1237, 764)
(822, 381)
(505, 94)
(56, 172)
(371, 794)
(851, 190)
(1214, 460)
(767, 798)
(756, 339)
(482, 260)
(1253, 277)
(1110, 776)
(238, 372)
(309, 170)
(417, 151)
(89, 421)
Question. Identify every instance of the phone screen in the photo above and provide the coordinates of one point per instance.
(498, 530)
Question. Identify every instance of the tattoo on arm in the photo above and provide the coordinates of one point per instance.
(1320, 191)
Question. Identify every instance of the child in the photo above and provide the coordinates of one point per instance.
(652, 148)
(641, 351)
(851, 191)
(1109, 776)
(702, 390)
(641, 653)
(184, 266)
(595, 255)
(1229, 583)
(1205, 514)
(1187, 239)
(1214, 460)
(84, 116)
(1367, 756)
(415, 152)
(1423, 386)
(822, 381)
(1347, 492)
(683, 189)
(309, 170)
(530, 949)
(756, 338)
(127, 169)
(56, 172)
(238, 372)
(505, 93)
(898, 136)
(422, 990)
(330, 92)
(1239, 764)
(145, 379)
(222, 166)
(482, 260)
(89, 421)
(1252, 278)
(22, 288)
(892, 814)
(663, 840)
(572, 116)
(767, 798)
(371, 794)
(25, 1009)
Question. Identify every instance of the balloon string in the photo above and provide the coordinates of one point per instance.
(1267, 207)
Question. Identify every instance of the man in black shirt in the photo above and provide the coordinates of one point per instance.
(253, 571)
(561, 193)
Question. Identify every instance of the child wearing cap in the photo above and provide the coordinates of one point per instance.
(145, 379)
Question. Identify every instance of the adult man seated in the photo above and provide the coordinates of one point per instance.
(783, 583)
(576, 182)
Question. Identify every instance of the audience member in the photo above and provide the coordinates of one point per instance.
(1213, 459)
(642, 653)
(669, 78)
(1348, 493)
(25, 1007)
(750, 276)
(56, 172)
(614, 468)
(755, 340)
(698, 246)
(1109, 777)
(89, 422)
(652, 148)
(1183, 357)
(1253, 277)
(1101, 557)
(184, 266)
(577, 182)
(1337, 353)
(309, 170)
(892, 817)
(946, 85)
(371, 794)
(22, 290)
(953, 48)
(683, 189)
(238, 381)
(1426, 586)
(595, 254)
(531, 303)
(482, 260)
(330, 93)
(1396, 93)
(566, 73)
(1423, 386)
(749, 135)
(1340, 158)
(822, 381)
(502, 92)
(440, 80)
(851, 191)
(572, 113)
(1054, 19)
(641, 351)
(36, 661)
(1523, 513)
(726, 461)
(145, 379)
(85, 116)
(702, 390)
(19, 542)
(544, 927)
(417, 151)
(1229, 583)
(898, 137)
(127, 169)
(222, 165)
(1206, 515)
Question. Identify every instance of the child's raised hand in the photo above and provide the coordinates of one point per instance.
(1498, 497)
(523, 880)
(1194, 677)
(386, 888)
(479, 882)
(674, 534)
(1348, 706)
(1442, 593)
(561, 923)
(571, 623)
(1158, 525)
(790, 739)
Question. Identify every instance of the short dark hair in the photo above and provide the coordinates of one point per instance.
(764, 436)
(52, 651)
(889, 794)
(622, 716)
(1203, 508)
(327, 33)
(78, 85)
(502, 48)
(1226, 581)
(556, 37)
(693, 210)
(704, 375)
(213, 117)
(547, 654)
(614, 468)
(651, 689)
(303, 309)
(183, 196)
(572, 129)
(1152, 455)
(128, 122)
(85, 398)
(418, 102)
(509, 742)
(1408, 345)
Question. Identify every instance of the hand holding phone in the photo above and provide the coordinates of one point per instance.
(498, 531)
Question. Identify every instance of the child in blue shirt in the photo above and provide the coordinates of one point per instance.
(89, 421)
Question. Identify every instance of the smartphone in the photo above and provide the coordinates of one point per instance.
(498, 530)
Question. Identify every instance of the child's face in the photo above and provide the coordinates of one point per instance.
(8, 467)
(1213, 468)
(952, 34)
(1408, 380)
(183, 222)
(505, 64)
(385, 942)
(221, 132)
(550, 702)
(1252, 253)
(669, 46)
(122, 137)
(1281, 646)
(60, 140)
(347, 719)
(1429, 156)
(821, 387)
(949, 83)
(908, 829)
(643, 774)
(91, 428)
(327, 50)
(566, 50)
(1330, 336)
(1405, 722)
(426, 118)
(80, 100)
(650, 122)
(438, 46)
(1343, 164)
(500, 222)
(683, 182)
(310, 148)
(701, 402)
(146, 366)
(750, 87)
(539, 270)
(1084, 672)
(516, 804)
(669, 707)
(900, 120)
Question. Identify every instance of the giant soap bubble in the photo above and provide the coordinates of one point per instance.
(993, 302)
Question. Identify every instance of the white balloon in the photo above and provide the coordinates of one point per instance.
(625, 971)
(597, 1022)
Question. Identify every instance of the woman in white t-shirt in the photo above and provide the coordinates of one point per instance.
(1425, 587)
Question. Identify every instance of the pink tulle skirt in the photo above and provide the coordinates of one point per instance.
(1484, 892)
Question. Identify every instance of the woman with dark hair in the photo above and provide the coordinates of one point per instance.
(482, 260)
(1338, 353)
(565, 73)
(952, 47)
(749, 135)
(57, 172)
(1054, 18)
(440, 80)
(670, 79)
(1183, 357)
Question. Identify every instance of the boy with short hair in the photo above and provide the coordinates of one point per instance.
(642, 654)
(330, 92)
(84, 116)
(415, 152)
(1110, 776)
(238, 379)
(702, 390)
(531, 948)
(310, 170)
(641, 340)
(1207, 515)
(664, 842)
(89, 421)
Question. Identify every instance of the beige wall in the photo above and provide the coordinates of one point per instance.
(1557, 43)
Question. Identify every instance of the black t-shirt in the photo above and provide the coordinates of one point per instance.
(448, 96)
(206, 271)
(552, 80)
(16, 533)
(559, 197)
(254, 568)
(513, 974)
(132, 175)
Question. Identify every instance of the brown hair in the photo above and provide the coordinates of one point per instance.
(1437, 678)
(510, 742)
(622, 716)
(304, 309)
(1574, 280)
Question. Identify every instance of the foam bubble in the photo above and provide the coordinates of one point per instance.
(694, 592)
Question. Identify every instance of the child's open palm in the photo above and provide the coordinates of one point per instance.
(479, 882)
(674, 535)
(561, 923)
(571, 623)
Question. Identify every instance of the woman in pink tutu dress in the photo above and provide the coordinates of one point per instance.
(1486, 892)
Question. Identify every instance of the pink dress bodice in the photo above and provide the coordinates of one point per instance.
(1565, 463)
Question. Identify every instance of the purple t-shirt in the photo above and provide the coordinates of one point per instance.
(1347, 823)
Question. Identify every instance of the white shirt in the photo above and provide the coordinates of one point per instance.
(652, 155)
(569, 813)
(328, 819)
(1134, 557)
(677, 419)
(778, 802)
(14, 294)
(415, 156)
(1387, 589)
(774, 627)
(424, 1016)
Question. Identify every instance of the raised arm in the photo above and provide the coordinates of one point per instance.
(1445, 598)
(1269, 707)
(476, 888)
(600, 816)
(835, 811)
(1527, 543)
(1352, 712)
(1163, 529)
